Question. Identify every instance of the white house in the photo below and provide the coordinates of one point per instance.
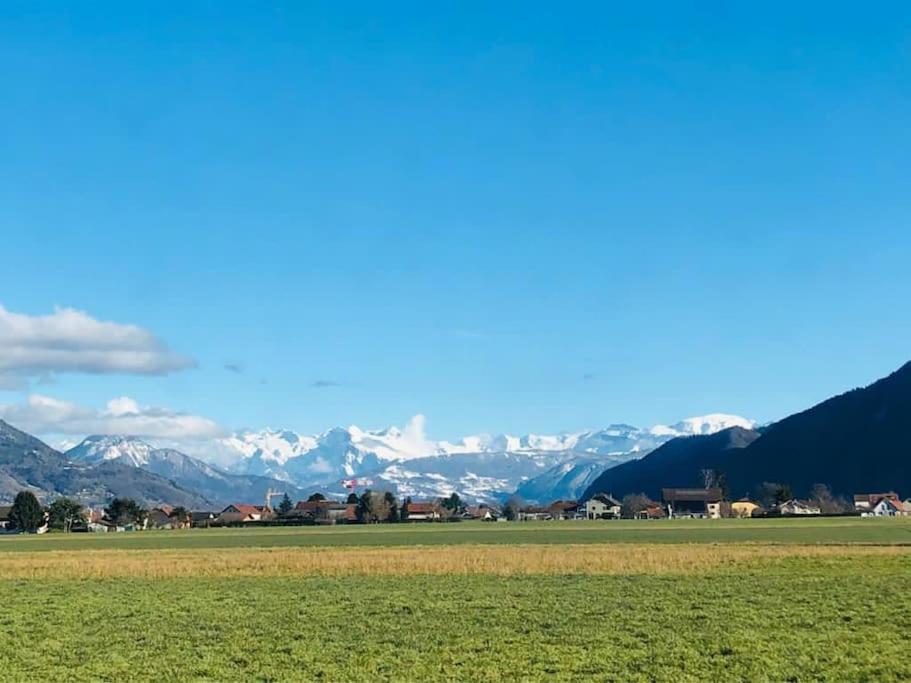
(887, 507)
(602, 506)
(798, 507)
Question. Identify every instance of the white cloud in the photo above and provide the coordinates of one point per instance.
(123, 416)
(68, 340)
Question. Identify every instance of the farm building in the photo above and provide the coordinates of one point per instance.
(327, 511)
(422, 512)
(4, 516)
(692, 503)
(602, 506)
(743, 508)
(533, 513)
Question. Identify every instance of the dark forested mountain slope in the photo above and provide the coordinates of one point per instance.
(677, 463)
(858, 441)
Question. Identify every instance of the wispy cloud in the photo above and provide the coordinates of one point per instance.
(123, 416)
(72, 341)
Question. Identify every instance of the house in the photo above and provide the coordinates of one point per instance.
(651, 511)
(797, 507)
(743, 508)
(422, 512)
(888, 507)
(481, 512)
(4, 517)
(602, 506)
(325, 511)
(533, 513)
(865, 502)
(241, 512)
(692, 503)
(564, 509)
(159, 518)
(202, 519)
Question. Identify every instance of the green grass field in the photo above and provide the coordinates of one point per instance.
(824, 530)
(726, 607)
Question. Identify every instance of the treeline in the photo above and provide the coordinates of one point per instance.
(27, 515)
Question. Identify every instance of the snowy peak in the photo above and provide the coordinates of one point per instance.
(703, 425)
(98, 448)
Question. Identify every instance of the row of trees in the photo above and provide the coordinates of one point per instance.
(372, 507)
(28, 515)
(770, 494)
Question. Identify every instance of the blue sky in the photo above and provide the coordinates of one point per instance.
(508, 217)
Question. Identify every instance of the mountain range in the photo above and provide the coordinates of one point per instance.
(480, 468)
(26, 463)
(855, 441)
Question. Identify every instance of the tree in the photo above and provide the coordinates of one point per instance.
(352, 499)
(285, 506)
(180, 516)
(125, 511)
(453, 503)
(392, 507)
(634, 503)
(770, 493)
(713, 479)
(26, 514)
(314, 497)
(821, 496)
(63, 513)
(403, 511)
(512, 508)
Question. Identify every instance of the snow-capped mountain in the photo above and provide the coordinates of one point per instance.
(217, 486)
(479, 467)
(706, 424)
(99, 448)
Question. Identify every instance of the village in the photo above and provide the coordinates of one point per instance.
(374, 507)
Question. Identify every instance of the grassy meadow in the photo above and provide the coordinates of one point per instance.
(625, 601)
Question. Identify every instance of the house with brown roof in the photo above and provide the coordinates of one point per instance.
(422, 512)
(692, 503)
(864, 503)
(241, 512)
(481, 512)
(651, 511)
(323, 511)
(564, 509)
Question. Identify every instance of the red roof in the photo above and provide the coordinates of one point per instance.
(246, 509)
(420, 508)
